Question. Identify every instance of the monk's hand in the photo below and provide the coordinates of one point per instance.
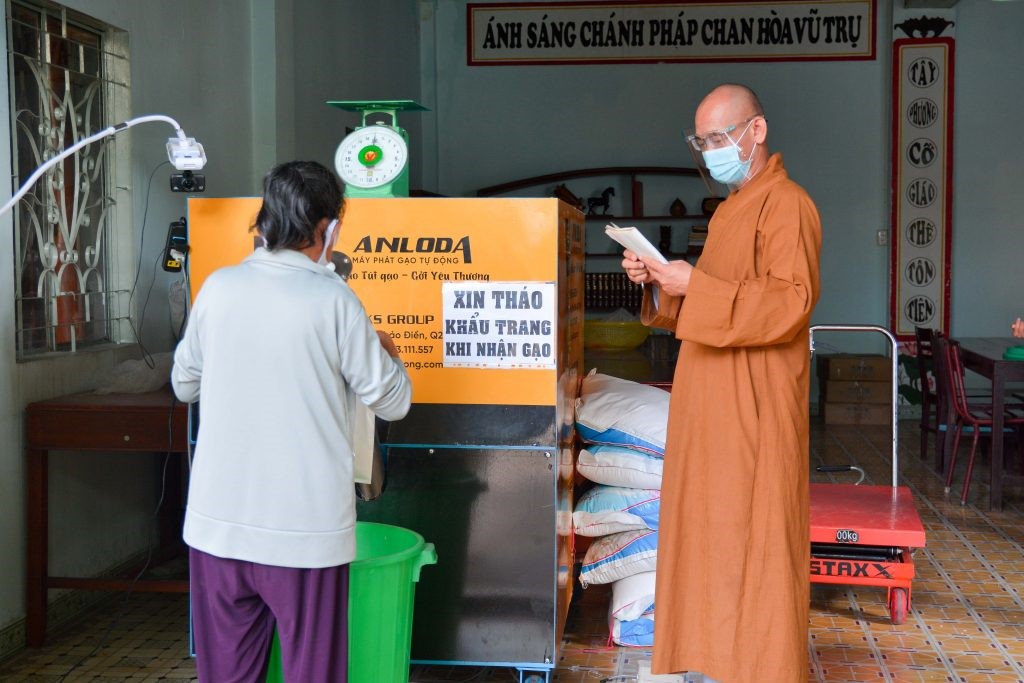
(673, 277)
(635, 269)
(1018, 328)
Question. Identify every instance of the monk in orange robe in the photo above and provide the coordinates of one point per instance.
(733, 586)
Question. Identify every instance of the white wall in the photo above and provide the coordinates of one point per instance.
(352, 51)
(988, 208)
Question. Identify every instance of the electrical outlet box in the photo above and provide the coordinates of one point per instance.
(882, 237)
(176, 247)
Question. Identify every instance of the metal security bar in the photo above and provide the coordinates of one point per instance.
(59, 92)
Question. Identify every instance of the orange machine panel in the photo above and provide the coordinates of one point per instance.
(218, 235)
(404, 251)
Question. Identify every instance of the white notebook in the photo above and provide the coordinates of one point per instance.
(634, 240)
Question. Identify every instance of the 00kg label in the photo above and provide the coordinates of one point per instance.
(847, 536)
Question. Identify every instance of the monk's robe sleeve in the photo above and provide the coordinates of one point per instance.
(773, 307)
(662, 313)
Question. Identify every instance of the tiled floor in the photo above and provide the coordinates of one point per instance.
(966, 624)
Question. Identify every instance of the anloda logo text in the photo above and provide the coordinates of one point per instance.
(416, 245)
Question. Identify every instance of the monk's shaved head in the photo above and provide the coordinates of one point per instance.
(734, 109)
(729, 102)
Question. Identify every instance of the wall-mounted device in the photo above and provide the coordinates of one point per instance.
(187, 181)
(177, 246)
(373, 160)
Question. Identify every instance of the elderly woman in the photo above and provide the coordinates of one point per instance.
(278, 350)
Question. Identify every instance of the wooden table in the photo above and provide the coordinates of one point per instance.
(113, 423)
(984, 355)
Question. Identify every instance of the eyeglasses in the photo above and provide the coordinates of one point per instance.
(716, 138)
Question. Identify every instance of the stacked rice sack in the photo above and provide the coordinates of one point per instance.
(623, 425)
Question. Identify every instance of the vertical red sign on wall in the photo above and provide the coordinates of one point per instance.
(922, 176)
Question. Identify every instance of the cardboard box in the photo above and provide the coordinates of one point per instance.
(859, 367)
(843, 391)
(857, 413)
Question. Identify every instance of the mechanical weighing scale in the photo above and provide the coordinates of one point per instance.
(866, 535)
(373, 159)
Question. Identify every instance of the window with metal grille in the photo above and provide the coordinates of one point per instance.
(68, 80)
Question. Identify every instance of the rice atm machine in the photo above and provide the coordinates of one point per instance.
(484, 299)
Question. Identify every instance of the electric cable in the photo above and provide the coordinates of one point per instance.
(138, 271)
(181, 331)
(149, 291)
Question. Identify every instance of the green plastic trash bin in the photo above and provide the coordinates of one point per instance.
(382, 584)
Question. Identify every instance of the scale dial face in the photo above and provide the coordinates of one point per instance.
(371, 157)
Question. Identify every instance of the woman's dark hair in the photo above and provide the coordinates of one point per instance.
(296, 196)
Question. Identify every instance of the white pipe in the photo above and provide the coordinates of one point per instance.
(84, 142)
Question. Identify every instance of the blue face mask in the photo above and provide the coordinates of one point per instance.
(724, 164)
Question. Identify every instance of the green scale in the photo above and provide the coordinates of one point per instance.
(373, 159)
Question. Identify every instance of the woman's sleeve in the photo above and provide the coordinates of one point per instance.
(187, 371)
(379, 380)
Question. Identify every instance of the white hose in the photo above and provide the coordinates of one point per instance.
(84, 142)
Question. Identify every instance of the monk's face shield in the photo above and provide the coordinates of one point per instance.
(715, 139)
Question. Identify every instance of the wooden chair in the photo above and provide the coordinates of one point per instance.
(936, 401)
(973, 416)
(930, 416)
(943, 402)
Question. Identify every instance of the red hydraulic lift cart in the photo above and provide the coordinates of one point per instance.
(866, 535)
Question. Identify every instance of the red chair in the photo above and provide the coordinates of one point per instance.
(976, 417)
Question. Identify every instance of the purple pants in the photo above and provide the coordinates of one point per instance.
(237, 604)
